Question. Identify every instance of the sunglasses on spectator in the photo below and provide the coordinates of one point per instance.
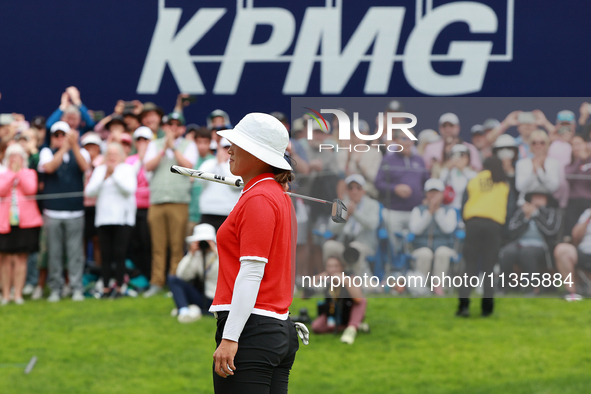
(59, 134)
(538, 142)
(141, 139)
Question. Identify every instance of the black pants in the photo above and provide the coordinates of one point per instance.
(481, 251)
(186, 294)
(215, 220)
(113, 240)
(266, 353)
(141, 244)
(529, 259)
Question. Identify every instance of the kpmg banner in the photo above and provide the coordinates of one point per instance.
(251, 55)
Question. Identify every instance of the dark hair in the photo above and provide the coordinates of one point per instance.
(495, 166)
(203, 132)
(283, 177)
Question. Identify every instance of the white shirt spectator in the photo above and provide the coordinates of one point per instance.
(585, 244)
(192, 266)
(115, 204)
(447, 220)
(458, 180)
(216, 198)
(45, 156)
(544, 180)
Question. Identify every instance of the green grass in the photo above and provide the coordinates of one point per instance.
(415, 346)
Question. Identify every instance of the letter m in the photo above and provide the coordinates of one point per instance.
(172, 48)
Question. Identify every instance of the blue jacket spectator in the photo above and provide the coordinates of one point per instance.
(67, 112)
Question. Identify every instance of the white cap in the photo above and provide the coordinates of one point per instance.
(224, 143)
(213, 145)
(428, 136)
(505, 141)
(144, 132)
(202, 232)
(60, 125)
(459, 148)
(450, 118)
(91, 138)
(355, 178)
(434, 184)
(263, 136)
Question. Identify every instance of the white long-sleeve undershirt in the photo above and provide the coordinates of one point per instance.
(244, 296)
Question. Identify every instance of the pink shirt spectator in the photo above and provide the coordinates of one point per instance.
(434, 151)
(561, 151)
(142, 195)
(29, 215)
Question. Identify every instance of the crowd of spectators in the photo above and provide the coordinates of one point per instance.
(90, 204)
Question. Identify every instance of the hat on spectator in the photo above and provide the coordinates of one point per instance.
(477, 129)
(213, 145)
(263, 136)
(149, 107)
(126, 138)
(505, 141)
(20, 135)
(434, 184)
(551, 202)
(91, 138)
(363, 126)
(115, 119)
(224, 143)
(202, 232)
(459, 148)
(192, 127)
(490, 124)
(280, 116)
(449, 117)
(144, 132)
(428, 135)
(357, 178)
(297, 125)
(176, 116)
(38, 122)
(565, 116)
(395, 106)
(61, 126)
(218, 113)
(15, 149)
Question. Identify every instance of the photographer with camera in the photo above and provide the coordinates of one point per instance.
(344, 307)
(193, 286)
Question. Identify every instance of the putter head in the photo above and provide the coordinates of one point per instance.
(337, 211)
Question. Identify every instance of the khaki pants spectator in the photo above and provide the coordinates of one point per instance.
(168, 224)
(440, 259)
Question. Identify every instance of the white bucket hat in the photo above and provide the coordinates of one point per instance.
(202, 232)
(263, 136)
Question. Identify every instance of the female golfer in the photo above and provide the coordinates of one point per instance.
(256, 340)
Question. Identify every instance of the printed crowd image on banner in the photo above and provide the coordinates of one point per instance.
(441, 195)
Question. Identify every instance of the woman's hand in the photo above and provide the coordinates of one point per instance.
(223, 358)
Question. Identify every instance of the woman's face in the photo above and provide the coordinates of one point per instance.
(539, 146)
(15, 159)
(580, 148)
(242, 162)
(333, 266)
(113, 156)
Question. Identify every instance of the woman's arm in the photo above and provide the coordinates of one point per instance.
(6, 182)
(95, 183)
(125, 179)
(28, 181)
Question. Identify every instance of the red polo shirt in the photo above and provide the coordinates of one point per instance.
(258, 228)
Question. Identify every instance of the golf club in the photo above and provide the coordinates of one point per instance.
(337, 205)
